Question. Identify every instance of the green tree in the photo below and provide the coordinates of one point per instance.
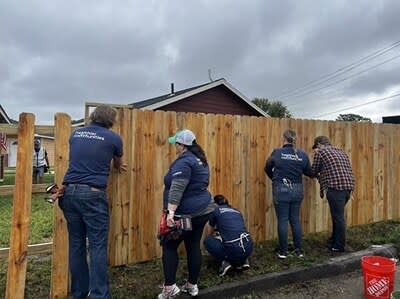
(353, 117)
(273, 108)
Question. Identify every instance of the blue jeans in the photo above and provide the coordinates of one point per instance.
(230, 252)
(287, 202)
(86, 211)
(337, 200)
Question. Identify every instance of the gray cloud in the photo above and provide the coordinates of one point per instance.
(55, 55)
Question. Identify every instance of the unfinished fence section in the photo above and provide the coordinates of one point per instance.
(237, 148)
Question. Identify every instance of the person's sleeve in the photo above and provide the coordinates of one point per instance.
(213, 220)
(307, 168)
(118, 151)
(178, 186)
(317, 164)
(269, 166)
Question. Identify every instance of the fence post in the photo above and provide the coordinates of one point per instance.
(59, 266)
(19, 235)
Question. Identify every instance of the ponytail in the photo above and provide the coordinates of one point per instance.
(291, 137)
(221, 200)
(198, 152)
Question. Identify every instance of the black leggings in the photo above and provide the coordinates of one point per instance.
(191, 240)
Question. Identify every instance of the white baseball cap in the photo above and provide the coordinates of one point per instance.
(184, 136)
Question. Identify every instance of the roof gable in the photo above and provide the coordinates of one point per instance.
(4, 119)
(164, 100)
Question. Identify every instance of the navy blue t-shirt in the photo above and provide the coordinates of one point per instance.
(91, 150)
(196, 196)
(228, 221)
(284, 164)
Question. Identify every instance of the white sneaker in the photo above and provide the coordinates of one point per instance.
(171, 292)
(192, 290)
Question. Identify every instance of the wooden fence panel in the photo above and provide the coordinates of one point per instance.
(237, 148)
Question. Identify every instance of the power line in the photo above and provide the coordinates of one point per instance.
(360, 105)
(344, 79)
(340, 71)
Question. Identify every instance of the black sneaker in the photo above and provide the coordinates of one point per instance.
(282, 255)
(225, 266)
(298, 252)
(244, 266)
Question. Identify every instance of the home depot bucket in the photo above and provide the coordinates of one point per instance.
(378, 276)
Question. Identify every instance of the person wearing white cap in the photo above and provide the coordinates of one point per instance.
(185, 195)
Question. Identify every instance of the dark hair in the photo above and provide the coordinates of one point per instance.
(197, 151)
(221, 200)
(290, 136)
(104, 116)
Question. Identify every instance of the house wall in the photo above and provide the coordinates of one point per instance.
(219, 100)
(10, 159)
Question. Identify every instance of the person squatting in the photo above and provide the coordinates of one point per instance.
(228, 240)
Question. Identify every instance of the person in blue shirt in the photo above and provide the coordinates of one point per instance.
(285, 168)
(228, 240)
(185, 195)
(82, 198)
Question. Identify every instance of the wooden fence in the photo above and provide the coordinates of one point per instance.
(236, 148)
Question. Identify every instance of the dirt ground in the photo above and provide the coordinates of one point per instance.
(346, 286)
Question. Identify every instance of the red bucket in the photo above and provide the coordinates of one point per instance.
(378, 276)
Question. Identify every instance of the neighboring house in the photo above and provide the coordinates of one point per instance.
(4, 119)
(217, 96)
(10, 158)
(391, 119)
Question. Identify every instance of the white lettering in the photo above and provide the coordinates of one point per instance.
(378, 287)
(88, 135)
(225, 210)
(290, 157)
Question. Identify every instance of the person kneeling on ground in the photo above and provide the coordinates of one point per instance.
(228, 240)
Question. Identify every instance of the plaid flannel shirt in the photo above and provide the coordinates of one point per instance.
(333, 168)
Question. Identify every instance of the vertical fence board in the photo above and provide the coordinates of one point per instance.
(238, 183)
(211, 151)
(19, 235)
(59, 265)
(119, 196)
(147, 238)
(135, 186)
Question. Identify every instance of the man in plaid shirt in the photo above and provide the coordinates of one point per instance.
(332, 167)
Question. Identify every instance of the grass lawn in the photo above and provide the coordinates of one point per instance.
(142, 280)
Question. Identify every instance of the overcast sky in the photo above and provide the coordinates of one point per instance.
(320, 58)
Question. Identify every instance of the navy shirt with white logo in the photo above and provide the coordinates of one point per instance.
(91, 150)
(228, 221)
(286, 163)
(196, 196)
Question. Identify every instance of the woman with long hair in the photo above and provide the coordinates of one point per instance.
(185, 196)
